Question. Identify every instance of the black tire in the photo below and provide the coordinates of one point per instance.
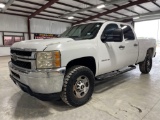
(146, 66)
(73, 83)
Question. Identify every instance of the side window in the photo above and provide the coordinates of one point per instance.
(108, 32)
(128, 32)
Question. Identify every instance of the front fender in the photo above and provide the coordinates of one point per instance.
(74, 50)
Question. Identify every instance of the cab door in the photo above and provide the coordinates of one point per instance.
(131, 44)
(112, 54)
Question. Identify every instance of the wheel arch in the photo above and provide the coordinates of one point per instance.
(150, 51)
(87, 61)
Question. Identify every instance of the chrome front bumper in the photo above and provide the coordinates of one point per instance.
(44, 82)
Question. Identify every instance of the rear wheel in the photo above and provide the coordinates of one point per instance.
(146, 65)
(78, 86)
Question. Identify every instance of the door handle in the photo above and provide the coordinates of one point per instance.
(121, 47)
(135, 45)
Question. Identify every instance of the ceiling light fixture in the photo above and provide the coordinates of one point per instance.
(71, 17)
(101, 6)
(135, 18)
(2, 5)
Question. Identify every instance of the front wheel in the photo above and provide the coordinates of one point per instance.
(146, 65)
(78, 86)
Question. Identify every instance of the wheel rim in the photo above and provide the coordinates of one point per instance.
(81, 87)
(149, 64)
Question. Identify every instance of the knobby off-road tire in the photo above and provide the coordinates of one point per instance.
(78, 86)
(146, 66)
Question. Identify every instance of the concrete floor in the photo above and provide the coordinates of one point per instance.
(131, 96)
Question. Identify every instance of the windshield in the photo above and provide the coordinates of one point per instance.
(84, 31)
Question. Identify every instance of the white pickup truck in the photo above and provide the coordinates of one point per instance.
(68, 66)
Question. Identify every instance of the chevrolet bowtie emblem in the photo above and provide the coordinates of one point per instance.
(14, 57)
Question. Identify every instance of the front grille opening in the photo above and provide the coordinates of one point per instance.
(15, 74)
(21, 64)
(21, 53)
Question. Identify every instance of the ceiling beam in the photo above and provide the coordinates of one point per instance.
(47, 11)
(127, 9)
(110, 16)
(88, 8)
(54, 8)
(144, 8)
(37, 17)
(69, 11)
(94, 6)
(68, 5)
(41, 14)
(113, 10)
(86, 3)
(38, 4)
(132, 11)
(51, 2)
(154, 2)
(8, 4)
(145, 15)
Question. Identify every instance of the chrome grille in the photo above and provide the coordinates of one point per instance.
(21, 64)
(23, 59)
(21, 53)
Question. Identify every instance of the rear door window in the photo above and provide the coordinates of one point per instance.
(128, 32)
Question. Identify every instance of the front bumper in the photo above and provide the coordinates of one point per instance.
(40, 82)
(44, 97)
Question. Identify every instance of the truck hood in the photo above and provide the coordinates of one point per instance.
(40, 44)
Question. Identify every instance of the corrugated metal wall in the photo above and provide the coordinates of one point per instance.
(13, 23)
(45, 26)
(16, 23)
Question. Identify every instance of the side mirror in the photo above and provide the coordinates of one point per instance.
(115, 35)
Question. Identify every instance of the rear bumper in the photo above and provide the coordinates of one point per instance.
(40, 82)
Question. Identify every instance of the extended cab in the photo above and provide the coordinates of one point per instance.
(68, 66)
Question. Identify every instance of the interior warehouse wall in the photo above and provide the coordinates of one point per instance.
(19, 24)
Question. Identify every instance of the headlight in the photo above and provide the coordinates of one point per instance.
(46, 60)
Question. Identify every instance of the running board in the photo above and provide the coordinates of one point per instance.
(115, 73)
